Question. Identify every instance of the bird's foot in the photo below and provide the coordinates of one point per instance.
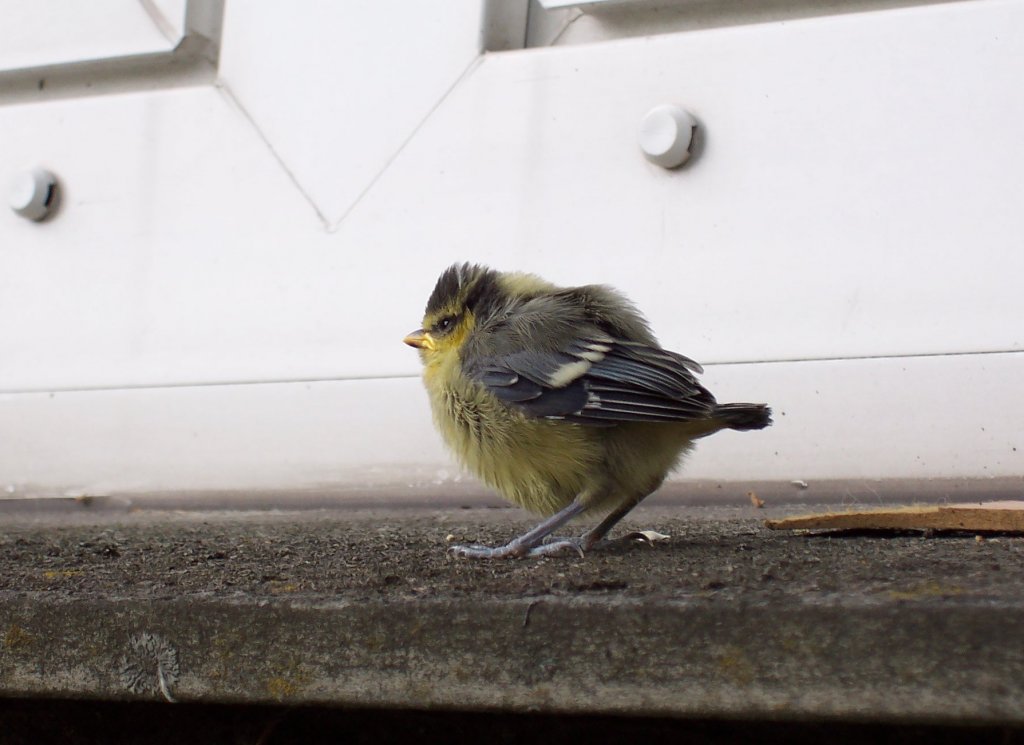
(517, 550)
(649, 537)
(625, 542)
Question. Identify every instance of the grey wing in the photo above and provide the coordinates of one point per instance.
(594, 378)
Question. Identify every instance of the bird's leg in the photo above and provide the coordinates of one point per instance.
(529, 543)
(596, 535)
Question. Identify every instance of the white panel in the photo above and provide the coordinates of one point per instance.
(857, 192)
(272, 436)
(837, 209)
(928, 417)
(173, 257)
(47, 32)
(336, 88)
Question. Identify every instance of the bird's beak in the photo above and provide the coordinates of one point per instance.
(419, 339)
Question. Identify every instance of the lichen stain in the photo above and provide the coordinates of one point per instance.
(52, 574)
(16, 637)
(931, 589)
(289, 685)
(281, 688)
(735, 665)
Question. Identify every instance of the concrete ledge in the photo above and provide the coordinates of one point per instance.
(364, 609)
(574, 656)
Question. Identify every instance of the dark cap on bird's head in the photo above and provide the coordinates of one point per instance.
(461, 286)
(462, 291)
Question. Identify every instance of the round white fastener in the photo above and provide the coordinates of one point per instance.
(33, 193)
(665, 135)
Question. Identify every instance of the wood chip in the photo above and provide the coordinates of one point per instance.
(1002, 517)
(755, 500)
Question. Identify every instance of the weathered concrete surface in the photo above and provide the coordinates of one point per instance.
(364, 608)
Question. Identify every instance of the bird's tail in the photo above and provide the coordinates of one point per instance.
(744, 416)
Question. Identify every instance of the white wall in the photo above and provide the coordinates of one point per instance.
(220, 302)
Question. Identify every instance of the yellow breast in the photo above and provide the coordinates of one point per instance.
(539, 464)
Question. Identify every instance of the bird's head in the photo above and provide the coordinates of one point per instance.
(462, 293)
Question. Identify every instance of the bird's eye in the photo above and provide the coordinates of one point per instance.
(445, 323)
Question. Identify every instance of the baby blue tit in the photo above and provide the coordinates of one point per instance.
(560, 398)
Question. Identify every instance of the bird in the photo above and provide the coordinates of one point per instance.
(561, 399)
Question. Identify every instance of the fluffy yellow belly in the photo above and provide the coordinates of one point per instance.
(539, 464)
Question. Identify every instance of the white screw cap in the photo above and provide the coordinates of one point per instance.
(33, 193)
(665, 136)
